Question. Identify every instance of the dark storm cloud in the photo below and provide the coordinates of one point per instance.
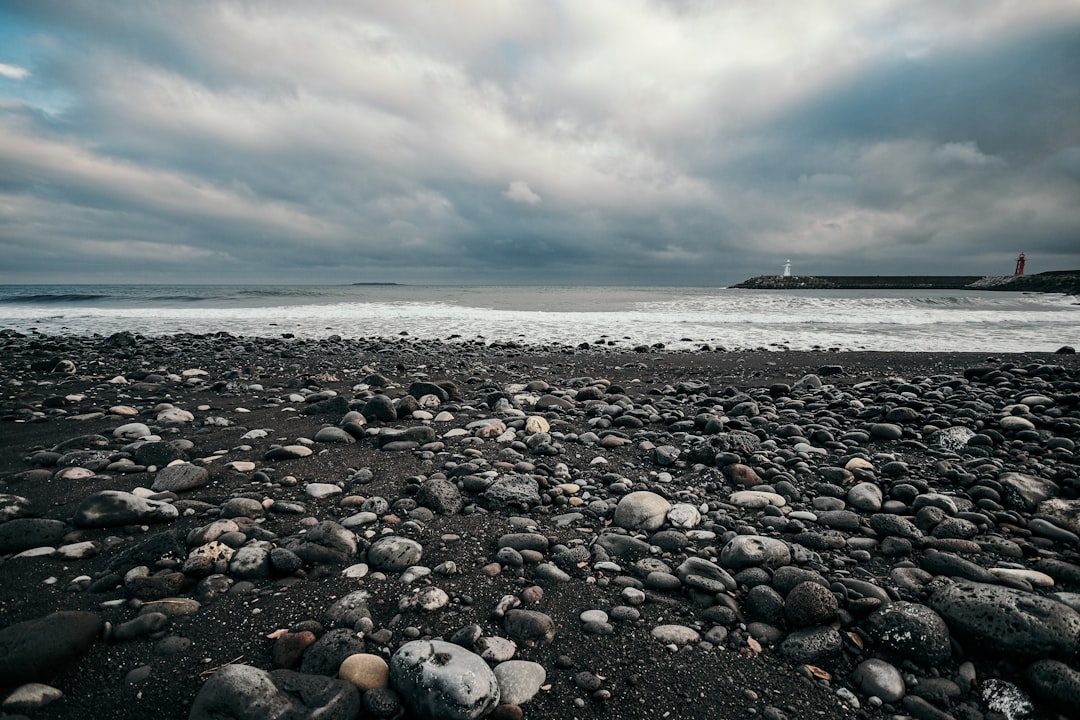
(607, 142)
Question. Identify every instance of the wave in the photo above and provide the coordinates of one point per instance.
(56, 298)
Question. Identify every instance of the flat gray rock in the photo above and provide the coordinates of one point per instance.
(179, 478)
(36, 650)
(114, 508)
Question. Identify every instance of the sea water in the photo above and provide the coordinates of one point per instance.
(621, 317)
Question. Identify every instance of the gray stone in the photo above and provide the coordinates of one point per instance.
(894, 526)
(334, 435)
(25, 533)
(1005, 698)
(1007, 622)
(380, 407)
(251, 561)
(30, 697)
(642, 510)
(1025, 492)
(114, 508)
(529, 627)
(442, 681)
(1056, 683)
(288, 452)
(755, 551)
(349, 610)
(36, 650)
(809, 603)
(511, 491)
(243, 692)
(865, 497)
(394, 554)
(326, 654)
(440, 495)
(880, 679)
(179, 478)
(675, 635)
(912, 631)
(818, 645)
(519, 680)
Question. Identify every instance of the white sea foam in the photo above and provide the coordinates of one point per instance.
(676, 317)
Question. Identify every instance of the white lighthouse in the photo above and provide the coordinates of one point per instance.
(787, 268)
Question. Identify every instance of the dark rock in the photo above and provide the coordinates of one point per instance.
(36, 650)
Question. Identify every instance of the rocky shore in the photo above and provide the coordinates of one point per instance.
(214, 527)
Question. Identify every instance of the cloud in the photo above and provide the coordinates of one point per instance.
(964, 153)
(13, 72)
(652, 140)
(519, 191)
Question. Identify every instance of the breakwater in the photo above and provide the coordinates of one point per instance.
(1057, 281)
(858, 282)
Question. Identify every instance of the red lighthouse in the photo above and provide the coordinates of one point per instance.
(1019, 265)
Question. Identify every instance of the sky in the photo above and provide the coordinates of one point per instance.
(630, 142)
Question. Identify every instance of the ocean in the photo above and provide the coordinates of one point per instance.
(622, 317)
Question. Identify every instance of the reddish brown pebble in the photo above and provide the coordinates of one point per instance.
(491, 569)
(532, 594)
(290, 647)
(507, 712)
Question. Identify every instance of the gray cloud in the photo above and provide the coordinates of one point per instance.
(666, 142)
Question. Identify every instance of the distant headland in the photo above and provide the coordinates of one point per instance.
(382, 284)
(1058, 281)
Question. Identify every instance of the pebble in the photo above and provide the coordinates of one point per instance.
(437, 679)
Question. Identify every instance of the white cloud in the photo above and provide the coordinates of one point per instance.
(520, 192)
(13, 72)
(964, 153)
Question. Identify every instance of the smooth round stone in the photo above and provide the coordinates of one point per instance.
(132, 431)
(675, 634)
(641, 510)
(180, 478)
(866, 497)
(30, 697)
(1015, 423)
(529, 627)
(497, 649)
(756, 499)
(886, 431)
(174, 416)
(393, 553)
(321, 490)
(244, 466)
(519, 680)
(593, 616)
(365, 671)
(754, 550)
(1034, 577)
(288, 452)
(880, 679)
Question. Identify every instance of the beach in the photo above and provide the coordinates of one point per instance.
(609, 532)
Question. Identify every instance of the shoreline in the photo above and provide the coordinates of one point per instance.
(804, 450)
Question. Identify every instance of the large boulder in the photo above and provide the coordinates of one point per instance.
(115, 508)
(642, 510)
(36, 650)
(442, 681)
(1006, 621)
(243, 692)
